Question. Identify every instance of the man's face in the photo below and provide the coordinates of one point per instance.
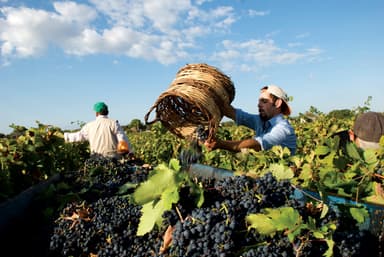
(362, 144)
(267, 108)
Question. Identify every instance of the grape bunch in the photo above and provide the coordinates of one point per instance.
(201, 133)
(253, 194)
(106, 225)
(278, 246)
(206, 231)
(104, 228)
(275, 193)
(355, 242)
(102, 177)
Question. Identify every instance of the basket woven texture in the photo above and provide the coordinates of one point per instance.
(196, 96)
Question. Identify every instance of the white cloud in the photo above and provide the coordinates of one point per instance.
(161, 30)
(295, 44)
(166, 14)
(19, 29)
(303, 35)
(74, 12)
(200, 2)
(27, 32)
(166, 31)
(254, 54)
(221, 17)
(253, 13)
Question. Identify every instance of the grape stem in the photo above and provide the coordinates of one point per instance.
(179, 214)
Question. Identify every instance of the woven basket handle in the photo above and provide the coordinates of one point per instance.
(147, 116)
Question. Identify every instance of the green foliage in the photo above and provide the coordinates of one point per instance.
(135, 125)
(160, 192)
(366, 107)
(162, 178)
(342, 114)
(321, 164)
(28, 156)
(288, 220)
(156, 145)
(275, 220)
(359, 214)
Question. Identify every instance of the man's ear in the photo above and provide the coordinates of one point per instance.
(278, 103)
(351, 135)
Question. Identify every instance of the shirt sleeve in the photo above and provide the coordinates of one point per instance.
(280, 134)
(75, 136)
(251, 121)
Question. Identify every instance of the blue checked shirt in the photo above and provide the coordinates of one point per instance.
(276, 131)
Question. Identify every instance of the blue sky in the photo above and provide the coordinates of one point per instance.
(57, 58)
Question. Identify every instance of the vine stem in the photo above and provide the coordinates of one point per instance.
(179, 214)
(305, 193)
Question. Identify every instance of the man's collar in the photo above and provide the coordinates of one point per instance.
(275, 119)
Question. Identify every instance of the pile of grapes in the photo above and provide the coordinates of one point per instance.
(105, 221)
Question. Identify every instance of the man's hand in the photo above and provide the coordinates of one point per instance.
(122, 147)
(232, 145)
(211, 144)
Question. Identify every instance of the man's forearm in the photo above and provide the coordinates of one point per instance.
(236, 146)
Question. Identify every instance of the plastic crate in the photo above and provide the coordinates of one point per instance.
(376, 211)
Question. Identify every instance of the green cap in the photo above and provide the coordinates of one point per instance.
(100, 106)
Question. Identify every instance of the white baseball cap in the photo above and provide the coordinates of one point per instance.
(279, 93)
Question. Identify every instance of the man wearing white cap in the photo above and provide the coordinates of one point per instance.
(270, 125)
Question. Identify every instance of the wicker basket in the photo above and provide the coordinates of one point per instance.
(196, 96)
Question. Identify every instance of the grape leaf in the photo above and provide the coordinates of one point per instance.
(322, 150)
(280, 171)
(318, 234)
(262, 223)
(359, 214)
(126, 187)
(370, 158)
(353, 151)
(151, 213)
(273, 220)
(329, 252)
(160, 192)
(285, 218)
(152, 189)
(378, 195)
(324, 211)
(174, 164)
(306, 175)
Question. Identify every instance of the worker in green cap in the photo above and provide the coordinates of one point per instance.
(106, 137)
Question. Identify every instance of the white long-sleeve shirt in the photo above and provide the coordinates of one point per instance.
(103, 135)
